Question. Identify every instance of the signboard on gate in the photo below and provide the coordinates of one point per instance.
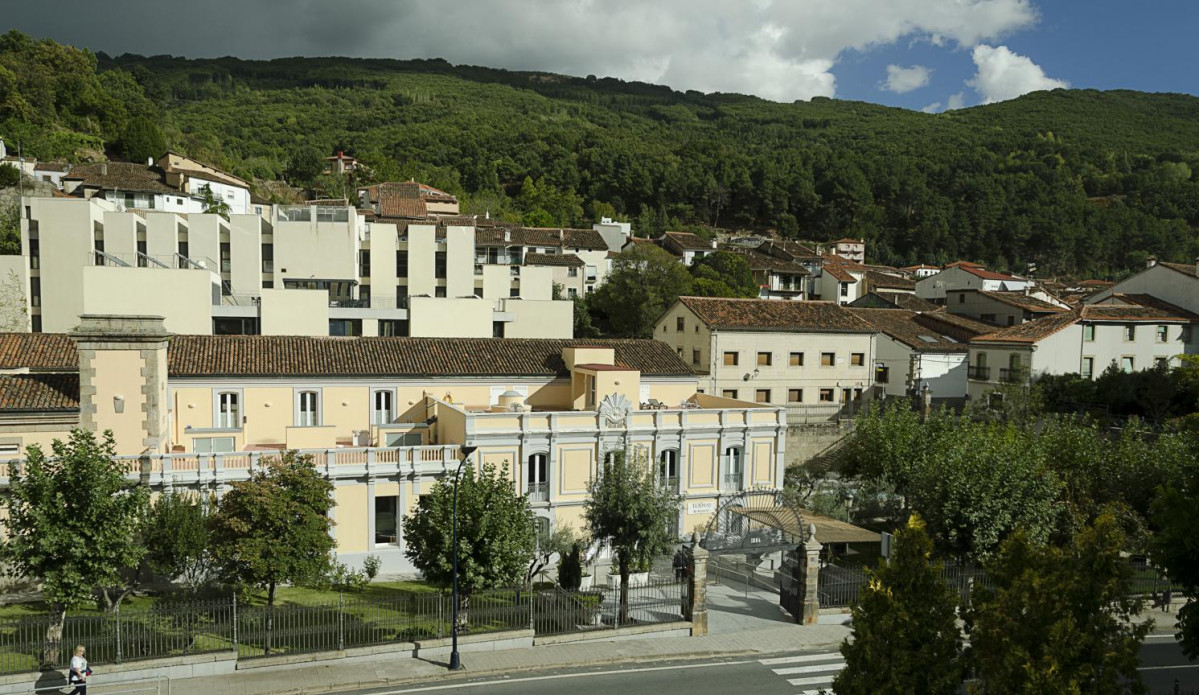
(701, 507)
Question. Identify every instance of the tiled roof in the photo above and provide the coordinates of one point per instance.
(964, 325)
(1031, 331)
(289, 356)
(839, 268)
(584, 239)
(888, 282)
(904, 326)
(1020, 301)
(557, 259)
(52, 166)
(687, 241)
(774, 315)
(765, 262)
(38, 351)
(794, 249)
(1135, 307)
(911, 302)
(1184, 268)
(921, 266)
(122, 176)
(39, 392)
(399, 199)
(985, 274)
(847, 240)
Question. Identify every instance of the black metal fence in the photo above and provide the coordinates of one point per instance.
(30, 643)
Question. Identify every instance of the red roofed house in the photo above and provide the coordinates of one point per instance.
(969, 276)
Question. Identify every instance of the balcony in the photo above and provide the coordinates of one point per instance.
(731, 481)
(669, 483)
(1011, 376)
(345, 303)
(538, 492)
(976, 373)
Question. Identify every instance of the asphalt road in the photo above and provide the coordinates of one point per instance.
(790, 674)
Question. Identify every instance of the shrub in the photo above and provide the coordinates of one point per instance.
(570, 569)
(370, 566)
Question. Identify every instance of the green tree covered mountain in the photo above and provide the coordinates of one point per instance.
(1077, 182)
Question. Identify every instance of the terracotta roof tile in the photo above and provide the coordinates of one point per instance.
(1032, 331)
(555, 259)
(121, 176)
(1135, 307)
(1020, 301)
(905, 327)
(775, 315)
(39, 392)
(588, 239)
(686, 241)
(885, 281)
(38, 351)
(759, 261)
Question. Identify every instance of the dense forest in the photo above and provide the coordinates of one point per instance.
(1076, 182)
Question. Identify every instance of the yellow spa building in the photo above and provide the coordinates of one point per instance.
(385, 417)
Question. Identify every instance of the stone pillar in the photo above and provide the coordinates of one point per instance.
(809, 577)
(696, 610)
(926, 402)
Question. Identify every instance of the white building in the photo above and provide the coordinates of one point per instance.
(173, 183)
(914, 349)
(1176, 283)
(963, 276)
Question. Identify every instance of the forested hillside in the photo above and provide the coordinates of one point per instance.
(1078, 182)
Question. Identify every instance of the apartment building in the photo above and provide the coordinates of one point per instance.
(386, 417)
(771, 352)
(777, 277)
(307, 269)
(1001, 308)
(1129, 331)
(839, 280)
(914, 350)
(850, 249)
(687, 246)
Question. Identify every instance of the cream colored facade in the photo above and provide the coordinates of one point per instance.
(384, 440)
(365, 276)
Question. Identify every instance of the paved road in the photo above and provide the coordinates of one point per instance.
(791, 674)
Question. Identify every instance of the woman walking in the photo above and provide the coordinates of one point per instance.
(79, 672)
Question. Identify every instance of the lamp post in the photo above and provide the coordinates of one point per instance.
(455, 660)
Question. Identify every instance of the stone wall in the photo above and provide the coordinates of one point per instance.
(33, 189)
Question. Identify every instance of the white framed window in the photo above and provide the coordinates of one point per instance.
(668, 464)
(386, 529)
(537, 477)
(213, 445)
(382, 407)
(308, 408)
(732, 467)
(228, 410)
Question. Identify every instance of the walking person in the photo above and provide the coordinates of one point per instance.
(79, 671)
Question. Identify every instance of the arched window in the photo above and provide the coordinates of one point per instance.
(668, 467)
(537, 477)
(309, 409)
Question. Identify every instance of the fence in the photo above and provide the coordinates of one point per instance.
(167, 630)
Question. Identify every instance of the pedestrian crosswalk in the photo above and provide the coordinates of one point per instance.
(813, 673)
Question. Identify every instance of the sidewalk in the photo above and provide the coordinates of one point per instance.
(387, 670)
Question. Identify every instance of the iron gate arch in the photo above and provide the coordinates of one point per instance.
(754, 522)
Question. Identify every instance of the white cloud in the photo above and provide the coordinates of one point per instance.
(932, 108)
(902, 80)
(778, 49)
(956, 101)
(1004, 75)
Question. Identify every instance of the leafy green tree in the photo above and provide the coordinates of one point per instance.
(1176, 548)
(213, 204)
(723, 274)
(10, 226)
(9, 176)
(72, 524)
(305, 163)
(570, 569)
(644, 282)
(274, 528)
(496, 540)
(177, 538)
(628, 509)
(1058, 619)
(556, 541)
(905, 635)
(142, 140)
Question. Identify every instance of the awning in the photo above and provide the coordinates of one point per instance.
(828, 530)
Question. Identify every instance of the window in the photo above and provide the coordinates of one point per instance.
(1130, 332)
(513, 292)
(439, 265)
(35, 292)
(401, 264)
(268, 258)
(731, 359)
(679, 324)
(857, 359)
(845, 289)
(345, 327)
(537, 478)
(1088, 367)
(393, 328)
(694, 355)
(796, 359)
(382, 413)
(1088, 332)
(226, 256)
(1161, 362)
(1161, 334)
(765, 359)
(1127, 364)
(729, 393)
(497, 329)
(439, 292)
(573, 272)
(795, 395)
(828, 359)
(762, 396)
(826, 396)
(1011, 320)
(732, 467)
(35, 259)
(35, 323)
(961, 299)
(989, 318)
(668, 466)
(212, 445)
(364, 263)
(310, 414)
(385, 519)
(227, 413)
(679, 350)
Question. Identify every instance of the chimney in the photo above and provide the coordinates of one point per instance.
(1152, 261)
(104, 168)
(149, 161)
(561, 235)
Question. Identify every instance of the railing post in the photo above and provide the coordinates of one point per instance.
(117, 611)
(341, 621)
(697, 608)
(809, 578)
(235, 625)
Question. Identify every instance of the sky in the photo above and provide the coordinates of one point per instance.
(931, 55)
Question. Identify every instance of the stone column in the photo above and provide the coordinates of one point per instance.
(809, 577)
(696, 610)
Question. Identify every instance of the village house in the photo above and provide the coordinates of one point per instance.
(964, 275)
(1001, 308)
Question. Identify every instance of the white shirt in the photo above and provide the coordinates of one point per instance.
(79, 664)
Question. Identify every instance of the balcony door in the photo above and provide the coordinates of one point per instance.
(537, 478)
(733, 465)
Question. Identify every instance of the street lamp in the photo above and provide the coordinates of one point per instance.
(455, 660)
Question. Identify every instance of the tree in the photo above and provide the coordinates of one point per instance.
(556, 541)
(10, 226)
(72, 523)
(142, 140)
(644, 282)
(723, 274)
(1176, 548)
(496, 540)
(905, 634)
(14, 314)
(570, 569)
(274, 528)
(305, 164)
(1058, 619)
(632, 513)
(213, 204)
(177, 538)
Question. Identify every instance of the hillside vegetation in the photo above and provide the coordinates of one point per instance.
(1077, 182)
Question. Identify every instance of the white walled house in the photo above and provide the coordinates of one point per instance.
(913, 350)
(1000, 308)
(963, 276)
(1176, 283)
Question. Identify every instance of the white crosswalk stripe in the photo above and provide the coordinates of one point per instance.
(814, 672)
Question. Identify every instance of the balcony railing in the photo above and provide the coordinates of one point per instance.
(731, 481)
(344, 303)
(1011, 376)
(538, 492)
(979, 373)
(670, 482)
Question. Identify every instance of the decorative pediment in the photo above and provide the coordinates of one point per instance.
(615, 408)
